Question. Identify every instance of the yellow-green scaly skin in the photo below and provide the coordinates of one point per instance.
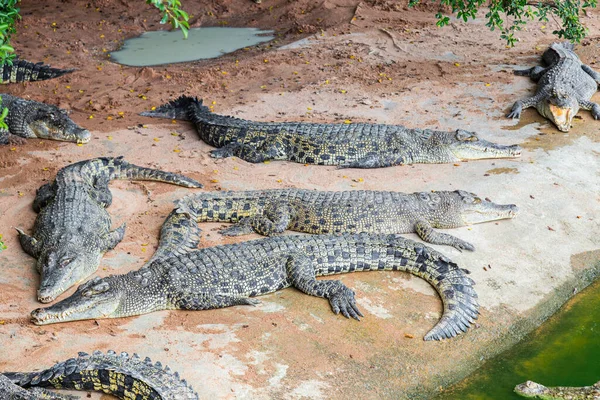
(120, 375)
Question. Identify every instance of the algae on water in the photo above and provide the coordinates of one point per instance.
(166, 47)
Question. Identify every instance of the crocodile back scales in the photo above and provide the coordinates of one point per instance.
(258, 267)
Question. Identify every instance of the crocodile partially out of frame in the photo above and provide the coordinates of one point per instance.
(24, 71)
(120, 375)
(533, 390)
(229, 275)
(72, 229)
(345, 145)
(33, 119)
(565, 85)
(11, 391)
(270, 212)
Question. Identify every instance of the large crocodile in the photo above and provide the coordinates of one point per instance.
(534, 390)
(117, 374)
(25, 71)
(565, 85)
(228, 275)
(345, 145)
(72, 229)
(271, 212)
(32, 119)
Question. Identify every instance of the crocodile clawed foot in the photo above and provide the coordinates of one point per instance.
(342, 300)
(15, 140)
(462, 245)
(514, 114)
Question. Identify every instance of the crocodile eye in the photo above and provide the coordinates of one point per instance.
(66, 261)
(466, 136)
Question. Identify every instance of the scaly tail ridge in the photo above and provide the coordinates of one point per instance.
(121, 169)
(82, 373)
(25, 71)
(459, 298)
(176, 109)
(179, 234)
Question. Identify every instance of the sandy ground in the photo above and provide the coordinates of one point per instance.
(332, 61)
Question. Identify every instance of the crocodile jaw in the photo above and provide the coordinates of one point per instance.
(531, 390)
(94, 299)
(69, 132)
(489, 211)
(562, 117)
(56, 278)
(465, 145)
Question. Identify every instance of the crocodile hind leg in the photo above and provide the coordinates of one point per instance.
(428, 234)
(593, 107)
(101, 193)
(42, 196)
(534, 73)
(114, 238)
(302, 276)
(519, 105)
(588, 70)
(275, 219)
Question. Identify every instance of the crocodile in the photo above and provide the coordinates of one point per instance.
(565, 85)
(270, 212)
(534, 390)
(232, 274)
(72, 229)
(24, 71)
(120, 375)
(345, 145)
(11, 391)
(33, 119)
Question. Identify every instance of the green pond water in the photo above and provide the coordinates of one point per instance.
(166, 47)
(564, 351)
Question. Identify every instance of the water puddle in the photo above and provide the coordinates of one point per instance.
(564, 351)
(167, 47)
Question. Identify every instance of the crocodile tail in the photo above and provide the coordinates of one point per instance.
(177, 109)
(459, 298)
(82, 373)
(179, 234)
(25, 71)
(120, 169)
(226, 206)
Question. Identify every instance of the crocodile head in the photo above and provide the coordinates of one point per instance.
(462, 145)
(64, 264)
(560, 108)
(97, 298)
(460, 208)
(532, 390)
(46, 121)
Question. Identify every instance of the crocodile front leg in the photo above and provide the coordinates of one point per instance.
(302, 276)
(29, 244)
(428, 234)
(591, 106)
(8, 138)
(271, 149)
(519, 105)
(588, 70)
(275, 219)
(376, 161)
